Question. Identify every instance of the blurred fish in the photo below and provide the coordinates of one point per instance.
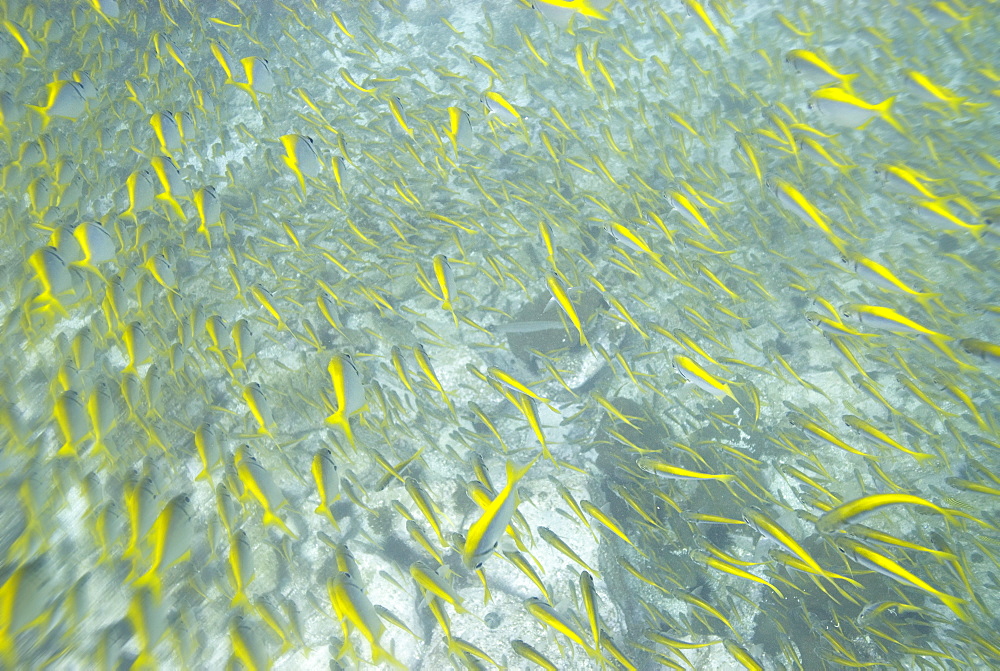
(812, 66)
(172, 534)
(241, 567)
(324, 471)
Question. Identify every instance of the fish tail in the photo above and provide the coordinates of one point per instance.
(884, 109)
(514, 473)
(250, 91)
(338, 419)
(170, 200)
(326, 512)
(273, 520)
(208, 235)
(42, 112)
(847, 80)
(956, 605)
(380, 655)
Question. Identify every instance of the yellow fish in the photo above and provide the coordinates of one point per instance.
(844, 109)
(300, 157)
(485, 533)
(348, 393)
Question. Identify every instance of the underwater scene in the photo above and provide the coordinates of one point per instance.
(560, 334)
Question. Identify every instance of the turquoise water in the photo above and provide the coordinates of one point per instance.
(286, 283)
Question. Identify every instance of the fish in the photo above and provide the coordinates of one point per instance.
(842, 108)
(927, 91)
(247, 643)
(551, 618)
(666, 470)
(886, 319)
(258, 484)
(355, 611)
(348, 392)
(553, 539)
(420, 355)
(172, 184)
(881, 438)
(860, 553)
(484, 534)
(301, 157)
(589, 594)
(71, 417)
(817, 70)
(459, 130)
(324, 471)
(241, 567)
(768, 528)
(172, 534)
(24, 599)
(500, 108)
(260, 409)
(429, 580)
(209, 209)
(53, 275)
(259, 77)
(588, 8)
(986, 351)
(532, 655)
(167, 132)
(64, 98)
(140, 190)
(692, 372)
(96, 244)
(858, 509)
(724, 567)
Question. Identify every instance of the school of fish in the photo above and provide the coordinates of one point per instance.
(558, 334)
